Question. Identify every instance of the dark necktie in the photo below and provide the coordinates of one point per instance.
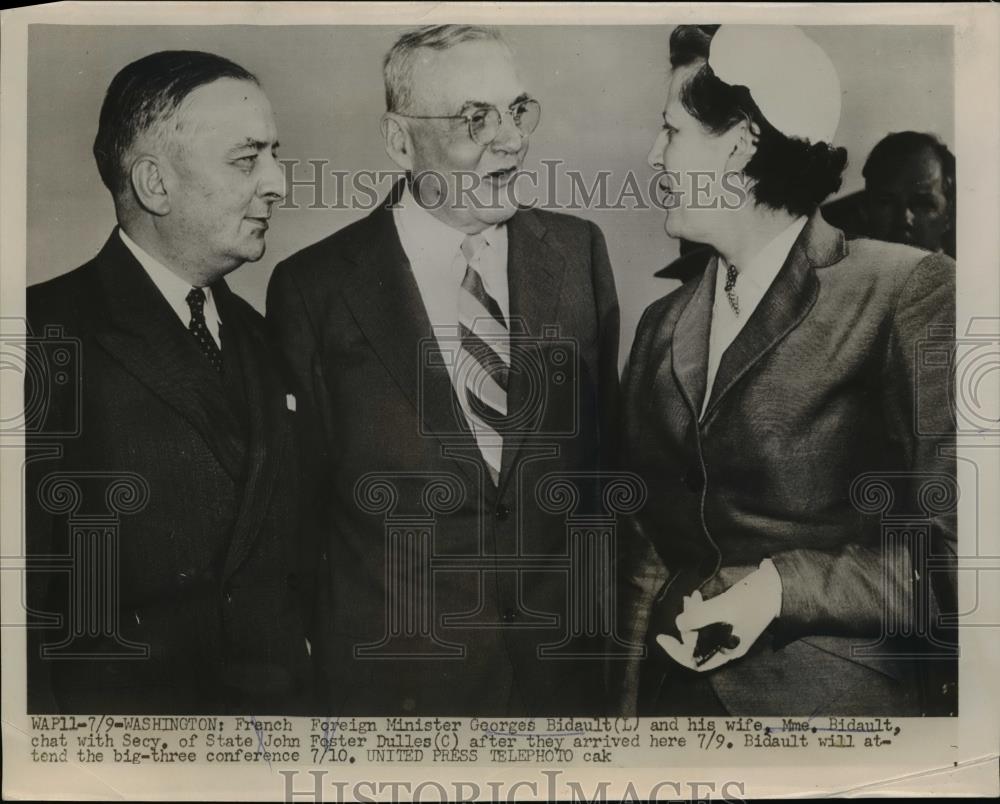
(734, 301)
(483, 367)
(198, 328)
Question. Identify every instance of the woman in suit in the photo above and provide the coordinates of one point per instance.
(770, 405)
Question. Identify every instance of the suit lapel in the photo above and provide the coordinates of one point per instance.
(144, 334)
(784, 305)
(534, 276)
(691, 339)
(267, 433)
(385, 300)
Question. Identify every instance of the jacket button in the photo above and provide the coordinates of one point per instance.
(692, 479)
(509, 615)
(229, 598)
(502, 512)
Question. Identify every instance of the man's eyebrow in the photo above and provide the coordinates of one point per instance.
(475, 104)
(478, 104)
(257, 145)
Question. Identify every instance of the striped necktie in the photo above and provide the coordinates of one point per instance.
(483, 366)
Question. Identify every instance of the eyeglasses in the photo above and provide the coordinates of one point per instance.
(484, 122)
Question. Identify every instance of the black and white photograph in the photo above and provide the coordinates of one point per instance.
(545, 392)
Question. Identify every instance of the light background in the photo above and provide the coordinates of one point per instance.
(601, 89)
(919, 764)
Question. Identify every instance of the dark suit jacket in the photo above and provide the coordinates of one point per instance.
(825, 384)
(349, 315)
(206, 513)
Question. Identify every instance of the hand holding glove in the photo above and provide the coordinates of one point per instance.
(748, 606)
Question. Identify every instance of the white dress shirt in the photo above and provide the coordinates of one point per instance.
(434, 251)
(751, 284)
(174, 289)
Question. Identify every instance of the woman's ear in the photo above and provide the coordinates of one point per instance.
(398, 143)
(743, 139)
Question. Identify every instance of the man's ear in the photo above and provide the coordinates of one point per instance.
(398, 143)
(743, 138)
(148, 185)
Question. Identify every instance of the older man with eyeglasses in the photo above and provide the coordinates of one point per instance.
(455, 356)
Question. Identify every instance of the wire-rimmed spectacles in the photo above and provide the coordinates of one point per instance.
(484, 121)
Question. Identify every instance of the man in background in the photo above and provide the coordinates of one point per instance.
(910, 192)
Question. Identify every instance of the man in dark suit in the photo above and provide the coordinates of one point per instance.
(795, 441)
(452, 353)
(909, 194)
(175, 500)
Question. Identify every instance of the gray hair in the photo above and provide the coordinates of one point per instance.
(397, 68)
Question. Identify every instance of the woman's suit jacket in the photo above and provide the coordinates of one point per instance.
(824, 446)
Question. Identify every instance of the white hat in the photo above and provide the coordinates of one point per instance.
(790, 78)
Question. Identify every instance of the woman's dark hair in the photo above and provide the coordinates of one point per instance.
(790, 173)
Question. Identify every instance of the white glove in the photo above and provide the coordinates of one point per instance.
(749, 606)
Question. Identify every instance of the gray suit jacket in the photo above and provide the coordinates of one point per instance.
(349, 316)
(823, 446)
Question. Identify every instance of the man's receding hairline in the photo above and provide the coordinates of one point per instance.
(404, 58)
(176, 127)
(417, 61)
(183, 107)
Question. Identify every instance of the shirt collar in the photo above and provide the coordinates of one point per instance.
(171, 286)
(764, 267)
(428, 238)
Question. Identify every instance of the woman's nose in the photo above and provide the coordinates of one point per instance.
(655, 157)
